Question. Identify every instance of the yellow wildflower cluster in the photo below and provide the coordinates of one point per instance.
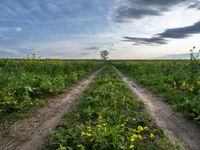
(137, 135)
(88, 133)
(140, 129)
(134, 137)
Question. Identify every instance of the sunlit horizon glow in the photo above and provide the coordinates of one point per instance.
(80, 29)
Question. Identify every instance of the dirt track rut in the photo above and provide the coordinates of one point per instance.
(30, 134)
(173, 123)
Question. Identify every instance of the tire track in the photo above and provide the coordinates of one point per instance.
(174, 124)
(31, 133)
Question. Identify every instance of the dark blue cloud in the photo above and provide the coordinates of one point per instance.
(145, 41)
(182, 32)
(161, 38)
(92, 48)
(137, 9)
(195, 5)
(125, 13)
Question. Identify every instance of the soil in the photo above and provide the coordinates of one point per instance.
(31, 133)
(174, 124)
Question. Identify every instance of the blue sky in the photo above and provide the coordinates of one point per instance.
(81, 28)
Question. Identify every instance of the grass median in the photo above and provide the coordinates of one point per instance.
(108, 116)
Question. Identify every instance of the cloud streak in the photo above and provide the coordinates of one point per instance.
(125, 13)
(138, 9)
(162, 38)
(182, 32)
(145, 41)
(92, 48)
(195, 5)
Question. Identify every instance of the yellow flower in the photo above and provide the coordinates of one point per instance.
(131, 147)
(89, 134)
(134, 137)
(140, 137)
(146, 128)
(152, 136)
(83, 133)
(140, 129)
(134, 130)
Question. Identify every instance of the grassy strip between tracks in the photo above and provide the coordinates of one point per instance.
(108, 116)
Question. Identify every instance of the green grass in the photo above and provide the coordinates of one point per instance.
(177, 82)
(27, 84)
(108, 116)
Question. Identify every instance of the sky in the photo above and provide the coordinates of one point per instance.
(80, 29)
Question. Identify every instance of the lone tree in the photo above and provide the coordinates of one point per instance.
(104, 54)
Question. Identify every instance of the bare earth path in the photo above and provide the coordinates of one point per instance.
(173, 123)
(30, 134)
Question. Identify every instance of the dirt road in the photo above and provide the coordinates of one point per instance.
(173, 123)
(30, 134)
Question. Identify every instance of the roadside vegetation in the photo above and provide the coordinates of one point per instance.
(176, 81)
(28, 83)
(108, 116)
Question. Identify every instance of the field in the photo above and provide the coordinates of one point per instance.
(178, 82)
(108, 116)
(103, 113)
(28, 83)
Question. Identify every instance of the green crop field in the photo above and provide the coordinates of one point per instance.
(177, 81)
(107, 115)
(28, 83)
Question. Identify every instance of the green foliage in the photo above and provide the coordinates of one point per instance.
(107, 117)
(178, 82)
(29, 82)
